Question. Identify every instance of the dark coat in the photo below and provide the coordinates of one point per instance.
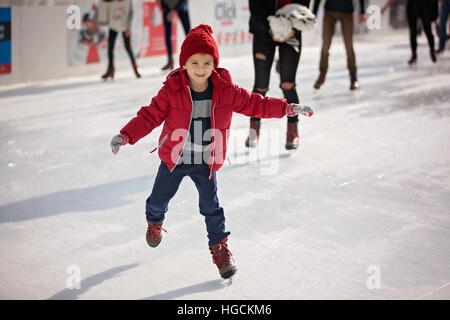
(260, 10)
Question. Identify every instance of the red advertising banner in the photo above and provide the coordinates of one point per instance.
(5, 40)
(153, 36)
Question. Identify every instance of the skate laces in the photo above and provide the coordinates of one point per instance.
(154, 230)
(220, 253)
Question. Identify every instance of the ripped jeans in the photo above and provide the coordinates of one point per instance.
(263, 56)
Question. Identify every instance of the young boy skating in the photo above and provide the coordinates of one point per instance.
(196, 104)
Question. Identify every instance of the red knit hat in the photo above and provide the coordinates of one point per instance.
(199, 40)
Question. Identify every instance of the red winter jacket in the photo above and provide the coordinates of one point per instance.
(173, 106)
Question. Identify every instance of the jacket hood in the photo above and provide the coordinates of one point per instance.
(178, 78)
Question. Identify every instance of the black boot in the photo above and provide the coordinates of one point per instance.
(137, 71)
(169, 65)
(413, 60)
(108, 74)
(433, 55)
(354, 83)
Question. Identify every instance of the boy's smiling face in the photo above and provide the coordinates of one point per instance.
(199, 68)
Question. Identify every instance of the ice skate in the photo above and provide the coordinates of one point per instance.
(354, 83)
(109, 74)
(292, 138)
(222, 258)
(154, 235)
(137, 71)
(253, 137)
(320, 81)
(169, 66)
(412, 61)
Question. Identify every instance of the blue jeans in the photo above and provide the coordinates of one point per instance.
(445, 10)
(166, 185)
(183, 14)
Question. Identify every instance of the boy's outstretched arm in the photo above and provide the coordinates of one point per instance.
(147, 119)
(253, 104)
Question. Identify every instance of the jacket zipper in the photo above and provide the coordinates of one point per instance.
(189, 128)
(161, 143)
(214, 147)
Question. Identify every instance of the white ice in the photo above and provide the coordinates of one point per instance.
(360, 211)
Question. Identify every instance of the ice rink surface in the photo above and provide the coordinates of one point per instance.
(360, 211)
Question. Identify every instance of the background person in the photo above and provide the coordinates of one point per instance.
(170, 8)
(120, 16)
(338, 11)
(264, 45)
(416, 9)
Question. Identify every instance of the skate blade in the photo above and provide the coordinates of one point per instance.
(291, 152)
(227, 282)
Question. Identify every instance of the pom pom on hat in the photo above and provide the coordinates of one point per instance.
(199, 40)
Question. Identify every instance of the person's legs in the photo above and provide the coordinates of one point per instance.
(347, 25)
(209, 202)
(430, 37)
(168, 36)
(329, 23)
(289, 60)
(164, 188)
(425, 14)
(183, 14)
(111, 43)
(347, 34)
(263, 54)
(127, 43)
(412, 24)
(214, 219)
(168, 39)
(129, 49)
(445, 11)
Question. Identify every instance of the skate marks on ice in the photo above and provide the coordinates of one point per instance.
(442, 292)
(207, 286)
(240, 160)
(92, 281)
(43, 88)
